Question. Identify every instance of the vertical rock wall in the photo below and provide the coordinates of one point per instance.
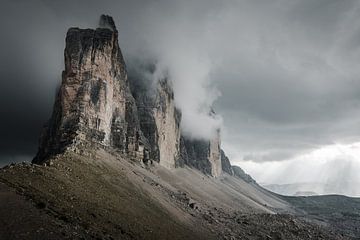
(215, 155)
(203, 155)
(144, 93)
(195, 153)
(159, 118)
(167, 120)
(94, 103)
(225, 164)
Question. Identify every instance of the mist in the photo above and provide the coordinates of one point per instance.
(331, 169)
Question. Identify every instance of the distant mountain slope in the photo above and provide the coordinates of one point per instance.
(338, 212)
(315, 188)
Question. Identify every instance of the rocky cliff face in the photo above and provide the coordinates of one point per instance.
(144, 93)
(203, 155)
(167, 118)
(160, 123)
(225, 163)
(96, 106)
(159, 117)
(94, 103)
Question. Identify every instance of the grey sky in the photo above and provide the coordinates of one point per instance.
(283, 75)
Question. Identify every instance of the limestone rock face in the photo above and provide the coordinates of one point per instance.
(159, 117)
(225, 163)
(215, 155)
(160, 123)
(94, 103)
(167, 118)
(144, 94)
(195, 153)
(203, 155)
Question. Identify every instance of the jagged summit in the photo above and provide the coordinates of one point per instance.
(107, 21)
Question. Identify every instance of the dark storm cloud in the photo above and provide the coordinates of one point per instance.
(283, 74)
(298, 88)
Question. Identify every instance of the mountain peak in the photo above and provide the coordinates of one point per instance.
(94, 104)
(107, 21)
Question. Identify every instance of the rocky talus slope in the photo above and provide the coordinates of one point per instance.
(105, 196)
(113, 164)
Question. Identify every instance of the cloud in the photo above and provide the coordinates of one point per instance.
(335, 167)
(189, 72)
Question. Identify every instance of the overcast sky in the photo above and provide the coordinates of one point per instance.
(283, 75)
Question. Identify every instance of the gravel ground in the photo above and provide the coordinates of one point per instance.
(103, 196)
